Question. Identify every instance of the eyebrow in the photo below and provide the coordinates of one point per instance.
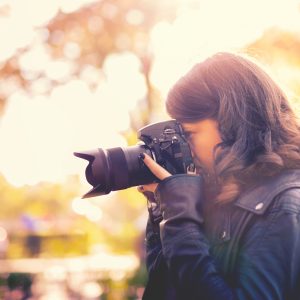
(187, 129)
(184, 127)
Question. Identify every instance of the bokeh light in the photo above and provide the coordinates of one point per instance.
(3, 234)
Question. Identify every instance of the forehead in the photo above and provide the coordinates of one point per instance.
(200, 125)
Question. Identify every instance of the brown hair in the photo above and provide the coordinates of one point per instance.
(259, 130)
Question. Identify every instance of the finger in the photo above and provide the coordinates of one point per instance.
(140, 188)
(147, 188)
(150, 187)
(154, 167)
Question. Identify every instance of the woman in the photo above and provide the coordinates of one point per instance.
(233, 230)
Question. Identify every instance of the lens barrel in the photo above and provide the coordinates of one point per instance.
(115, 169)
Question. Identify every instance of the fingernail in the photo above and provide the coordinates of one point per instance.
(142, 156)
(140, 189)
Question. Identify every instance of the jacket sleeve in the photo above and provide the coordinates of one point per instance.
(156, 266)
(152, 240)
(264, 272)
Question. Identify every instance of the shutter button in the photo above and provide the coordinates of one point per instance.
(259, 206)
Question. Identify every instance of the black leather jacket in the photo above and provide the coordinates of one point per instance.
(247, 249)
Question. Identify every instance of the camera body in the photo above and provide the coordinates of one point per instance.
(120, 168)
(168, 146)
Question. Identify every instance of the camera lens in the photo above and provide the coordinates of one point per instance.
(115, 169)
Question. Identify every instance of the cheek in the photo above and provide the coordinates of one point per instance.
(198, 149)
(203, 150)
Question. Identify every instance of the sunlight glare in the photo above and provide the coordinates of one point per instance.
(39, 133)
(3, 234)
(215, 26)
(59, 69)
(39, 55)
(125, 83)
(71, 6)
(86, 208)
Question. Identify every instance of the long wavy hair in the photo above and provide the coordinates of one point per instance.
(259, 130)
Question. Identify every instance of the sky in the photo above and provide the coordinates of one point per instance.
(39, 133)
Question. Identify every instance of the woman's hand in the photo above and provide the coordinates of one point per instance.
(156, 169)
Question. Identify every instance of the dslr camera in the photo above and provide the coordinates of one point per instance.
(119, 168)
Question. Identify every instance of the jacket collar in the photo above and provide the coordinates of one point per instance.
(259, 198)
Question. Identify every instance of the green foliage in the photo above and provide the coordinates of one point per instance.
(42, 200)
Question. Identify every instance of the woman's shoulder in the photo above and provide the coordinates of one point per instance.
(288, 200)
(281, 190)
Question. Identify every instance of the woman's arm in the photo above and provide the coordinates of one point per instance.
(152, 240)
(156, 287)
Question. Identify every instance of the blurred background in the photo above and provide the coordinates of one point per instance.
(83, 74)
